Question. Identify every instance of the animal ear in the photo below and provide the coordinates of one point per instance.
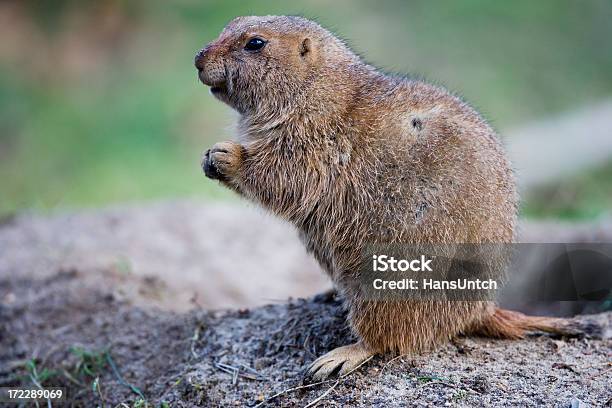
(305, 47)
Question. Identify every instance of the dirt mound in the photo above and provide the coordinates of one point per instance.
(71, 330)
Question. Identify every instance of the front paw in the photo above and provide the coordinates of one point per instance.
(223, 161)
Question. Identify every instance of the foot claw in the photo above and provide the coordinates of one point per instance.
(340, 361)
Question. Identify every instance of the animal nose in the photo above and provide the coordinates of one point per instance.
(199, 59)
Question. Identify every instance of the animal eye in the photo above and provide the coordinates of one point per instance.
(255, 44)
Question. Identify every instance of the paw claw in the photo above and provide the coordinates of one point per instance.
(340, 361)
(223, 161)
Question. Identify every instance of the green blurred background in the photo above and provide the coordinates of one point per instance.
(100, 103)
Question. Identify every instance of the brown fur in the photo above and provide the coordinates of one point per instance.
(351, 157)
(507, 324)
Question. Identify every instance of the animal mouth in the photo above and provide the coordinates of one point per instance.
(216, 88)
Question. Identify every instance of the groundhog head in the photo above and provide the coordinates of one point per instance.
(265, 65)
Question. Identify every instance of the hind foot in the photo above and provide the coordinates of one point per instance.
(341, 361)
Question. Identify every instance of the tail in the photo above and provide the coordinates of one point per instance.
(507, 324)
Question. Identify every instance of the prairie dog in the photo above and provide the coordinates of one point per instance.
(352, 156)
